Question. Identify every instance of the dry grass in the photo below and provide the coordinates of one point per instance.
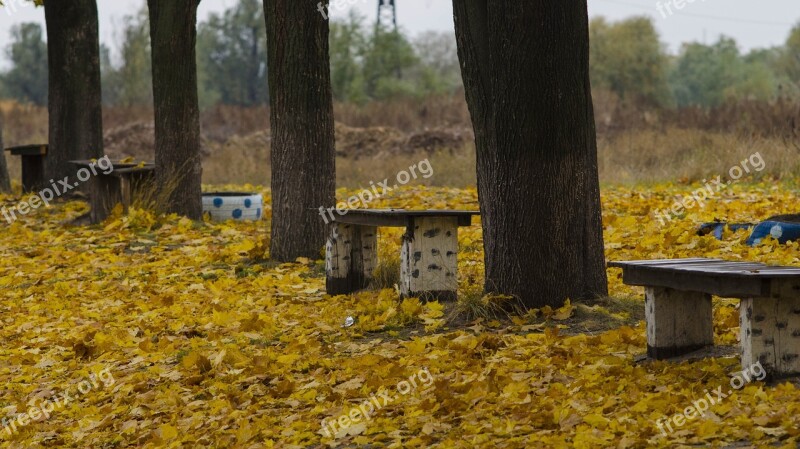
(682, 155)
(473, 304)
(634, 146)
(407, 114)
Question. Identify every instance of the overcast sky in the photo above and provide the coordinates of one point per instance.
(753, 23)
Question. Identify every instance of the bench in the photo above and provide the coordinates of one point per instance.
(679, 316)
(120, 186)
(428, 258)
(32, 165)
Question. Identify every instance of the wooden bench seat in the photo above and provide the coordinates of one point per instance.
(32, 157)
(679, 316)
(428, 257)
(121, 185)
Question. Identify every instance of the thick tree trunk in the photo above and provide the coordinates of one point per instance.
(301, 117)
(5, 180)
(173, 34)
(526, 73)
(75, 95)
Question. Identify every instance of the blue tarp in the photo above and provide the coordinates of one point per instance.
(781, 231)
(717, 228)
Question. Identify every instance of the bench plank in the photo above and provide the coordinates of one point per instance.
(28, 150)
(726, 279)
(399, 218)
(717, 285)
(712, 266)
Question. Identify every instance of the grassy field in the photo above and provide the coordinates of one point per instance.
(199, 341)
(377, 140)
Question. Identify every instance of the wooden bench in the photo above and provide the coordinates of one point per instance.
(118, 186)
(428, 258)
(679, 316)
(32, 165)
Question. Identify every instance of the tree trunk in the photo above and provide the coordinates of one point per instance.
(525, 67)
(75, 94)
(173, 34)
(301, 118)
(5, 180)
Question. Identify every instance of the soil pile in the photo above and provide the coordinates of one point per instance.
(354, 143)
(136, 140)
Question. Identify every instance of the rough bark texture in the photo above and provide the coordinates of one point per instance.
(5, 180)
(74, 99)
(301, 117)
(173, 31)
(525, 67)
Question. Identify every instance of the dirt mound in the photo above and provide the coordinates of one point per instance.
(366, 142)
(136, 140)
(361, 142)
(440, 139)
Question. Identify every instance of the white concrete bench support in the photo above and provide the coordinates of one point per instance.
(770, 330)
(678, 322)
(769, 311)
(351, 255)
(429, 258)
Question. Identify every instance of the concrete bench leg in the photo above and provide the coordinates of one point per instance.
(678, 322)
(770, 330)
(429, 259)
(351, 255)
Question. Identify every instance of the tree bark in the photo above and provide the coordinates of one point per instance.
(75, 94)
(173, 35)
(525, 67)
(301, 118)
(5, 180)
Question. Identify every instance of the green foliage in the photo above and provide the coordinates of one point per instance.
(130, 83)
(232, 56)
(388, 54)
(26, 81)
(708, 75)
(628, 59)
(348, 44)
(788, 63)
(377, 64)
(438, 68)
(367, 63)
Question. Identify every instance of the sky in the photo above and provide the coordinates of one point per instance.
(754, 24)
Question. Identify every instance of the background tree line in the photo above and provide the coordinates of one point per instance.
(627, 59)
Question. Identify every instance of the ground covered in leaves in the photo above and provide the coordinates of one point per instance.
(162, 332)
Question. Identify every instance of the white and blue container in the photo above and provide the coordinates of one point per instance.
(239, 206)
